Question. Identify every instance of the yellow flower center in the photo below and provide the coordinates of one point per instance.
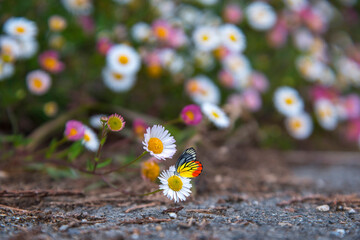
(80, 2)
(37, 83)
(205, 38)
(233, 37)
(87, 137)
(161, 32)
(50, 109)
(289, 101)
(193, 86)
(260, 15)
(72, 132)
(123, 59)
(154, 70)
(20, 29)
(115, 123)
(57, 23)
(150, 170)
(215, 114)
(139, 130)
(50, 62)
(118, 76)
(175, 183)
(190, 115)
(155, 145)
(325, 113)
(296, 124)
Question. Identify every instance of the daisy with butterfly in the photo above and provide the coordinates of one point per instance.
(175, 182)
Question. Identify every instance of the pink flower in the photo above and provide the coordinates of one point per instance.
(162, 30)
(87, 24)
(278, 35)
(49, 60)
(232, 13)
(177, 38)
(319, 92)
(353, 130)
(103, 45)
(313, 20)
(191, 114)
(226, 79)
(74, 130)
(259, 81)
(251, 100)
(139, 127)
(351, 105)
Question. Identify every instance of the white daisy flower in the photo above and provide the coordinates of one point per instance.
(38, 82)
(141, 32)
(188, 15)
(204, 60)
(206, 38)
(123, 59)
(95, 121)
(201, 89)
(159, 143)
(6, 70)
(288, 101)
(326, 114)
(28, 48)
(260, 15)
(239, 66)
(174, 187)
(90, 140)
(299, 126)
(215, 115)
(116, 81)
(349, 69)
(232, 38)
(311, 68)
(78, 7)
(303, 39)
(20, 27)
(9, 47)
(296, 5)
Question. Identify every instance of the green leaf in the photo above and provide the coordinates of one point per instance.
(104, 163)
(89, 165)
(75, 150)
(52, 148)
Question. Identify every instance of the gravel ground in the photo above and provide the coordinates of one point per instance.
(232, 216)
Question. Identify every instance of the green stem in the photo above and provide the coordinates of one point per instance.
(147, 194)
(176, 120)
(12, 119)
(59, 143)
(102, 142)
(129, 163)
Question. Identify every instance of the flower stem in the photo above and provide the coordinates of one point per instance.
(173, 121)
(147, 194)
(102, 142)
(55, 146)
(129, 163)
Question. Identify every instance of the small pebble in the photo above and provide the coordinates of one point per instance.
(283, 224)
(338, 233)
(351, 211)
(158, 228)
(172, 215)
(63, 228)
(323, 208)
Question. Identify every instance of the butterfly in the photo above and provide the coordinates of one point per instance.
(187, 165)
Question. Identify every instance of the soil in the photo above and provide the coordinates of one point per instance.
(247, 194)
